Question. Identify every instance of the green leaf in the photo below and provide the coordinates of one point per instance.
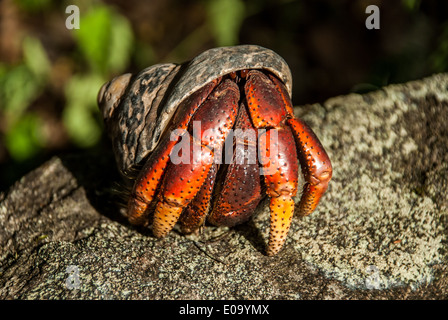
(21, 84)
(79, 113)
(105, 38)
(34, 5)
(225, 18)
(36, 58)
(120, 46)
(24, 139)
(411, 4)
(94, 36)
(18, 88)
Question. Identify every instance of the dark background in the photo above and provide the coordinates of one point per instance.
(49, 75)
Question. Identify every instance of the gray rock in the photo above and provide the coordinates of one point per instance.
(379, 233)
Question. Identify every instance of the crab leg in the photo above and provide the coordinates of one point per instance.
(148, 182)
(316, 166)
(281, 89)
(181, 184)
(214, 119)
(241, 190)
(194, 215)
(280, 169)
(278, 156)
(149, 179)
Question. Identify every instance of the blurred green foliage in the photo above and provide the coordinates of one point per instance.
(411, 4)
(105, 39)
(34, 5)
(103, 43)
(80, 109)
(225, 18)
(19, 87)
(104, 46)
(439, 58)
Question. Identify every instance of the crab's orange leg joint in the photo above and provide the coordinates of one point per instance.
(316, 166)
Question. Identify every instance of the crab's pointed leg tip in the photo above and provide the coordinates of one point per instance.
(165, 218)
(282, 210)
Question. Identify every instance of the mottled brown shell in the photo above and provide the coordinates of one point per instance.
(137, 108)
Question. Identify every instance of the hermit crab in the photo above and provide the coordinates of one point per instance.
(211, 137)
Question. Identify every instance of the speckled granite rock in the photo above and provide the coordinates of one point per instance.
(379, 233)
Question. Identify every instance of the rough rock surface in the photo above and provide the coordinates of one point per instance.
(379, 233)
